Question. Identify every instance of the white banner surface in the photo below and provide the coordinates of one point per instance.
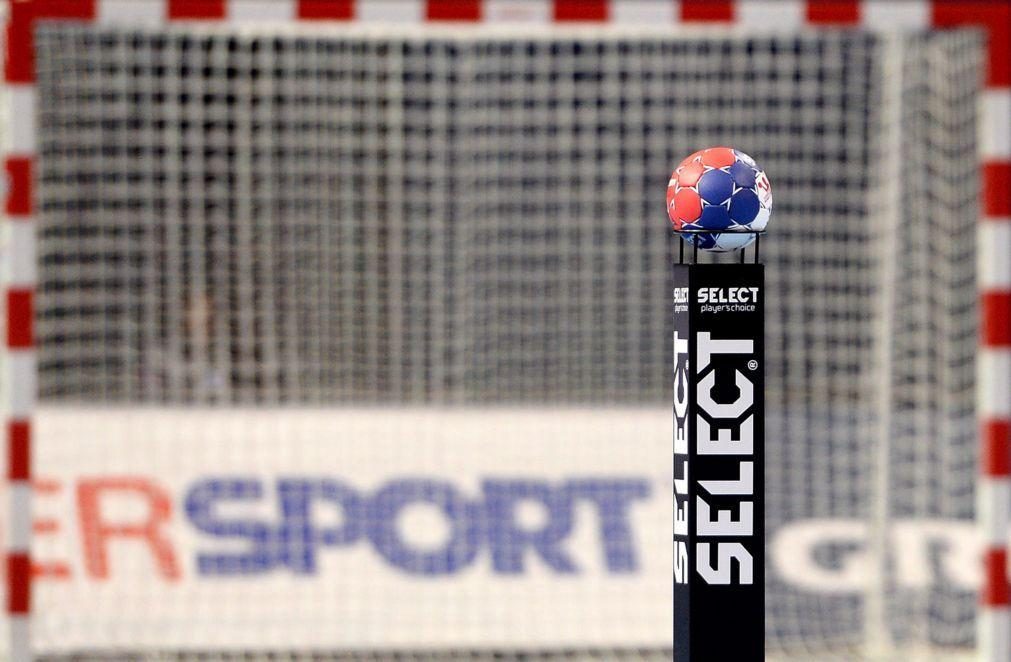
(353, 528)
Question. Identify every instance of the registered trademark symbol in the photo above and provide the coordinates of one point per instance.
(752, 364)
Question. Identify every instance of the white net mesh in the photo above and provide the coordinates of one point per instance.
(269, 262)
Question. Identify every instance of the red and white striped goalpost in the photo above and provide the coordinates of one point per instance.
(994, 358)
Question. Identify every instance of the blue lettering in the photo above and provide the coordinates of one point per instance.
(298, 536)
(458, 551)
(612, 499)
(317, 513)
(200, 508)
(509, 542)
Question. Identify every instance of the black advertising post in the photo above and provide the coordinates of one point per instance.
(719, 504)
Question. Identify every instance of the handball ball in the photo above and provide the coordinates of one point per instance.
(722, 191)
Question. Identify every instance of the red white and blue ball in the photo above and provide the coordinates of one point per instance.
(718, 198)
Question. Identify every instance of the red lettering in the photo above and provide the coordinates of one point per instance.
(96, 532)
(41, 526)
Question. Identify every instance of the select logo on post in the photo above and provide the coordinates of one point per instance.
(725, 432)
(727, 299)
(682, 430)
(681, 301)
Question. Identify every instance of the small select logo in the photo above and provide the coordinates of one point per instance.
(728, 295)
(727, 299)
(680, 299)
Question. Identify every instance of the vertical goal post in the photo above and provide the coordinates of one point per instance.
(994, 232)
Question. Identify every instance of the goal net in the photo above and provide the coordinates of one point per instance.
(357, 343)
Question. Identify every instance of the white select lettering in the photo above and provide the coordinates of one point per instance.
(728, 295)
(724, 417)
